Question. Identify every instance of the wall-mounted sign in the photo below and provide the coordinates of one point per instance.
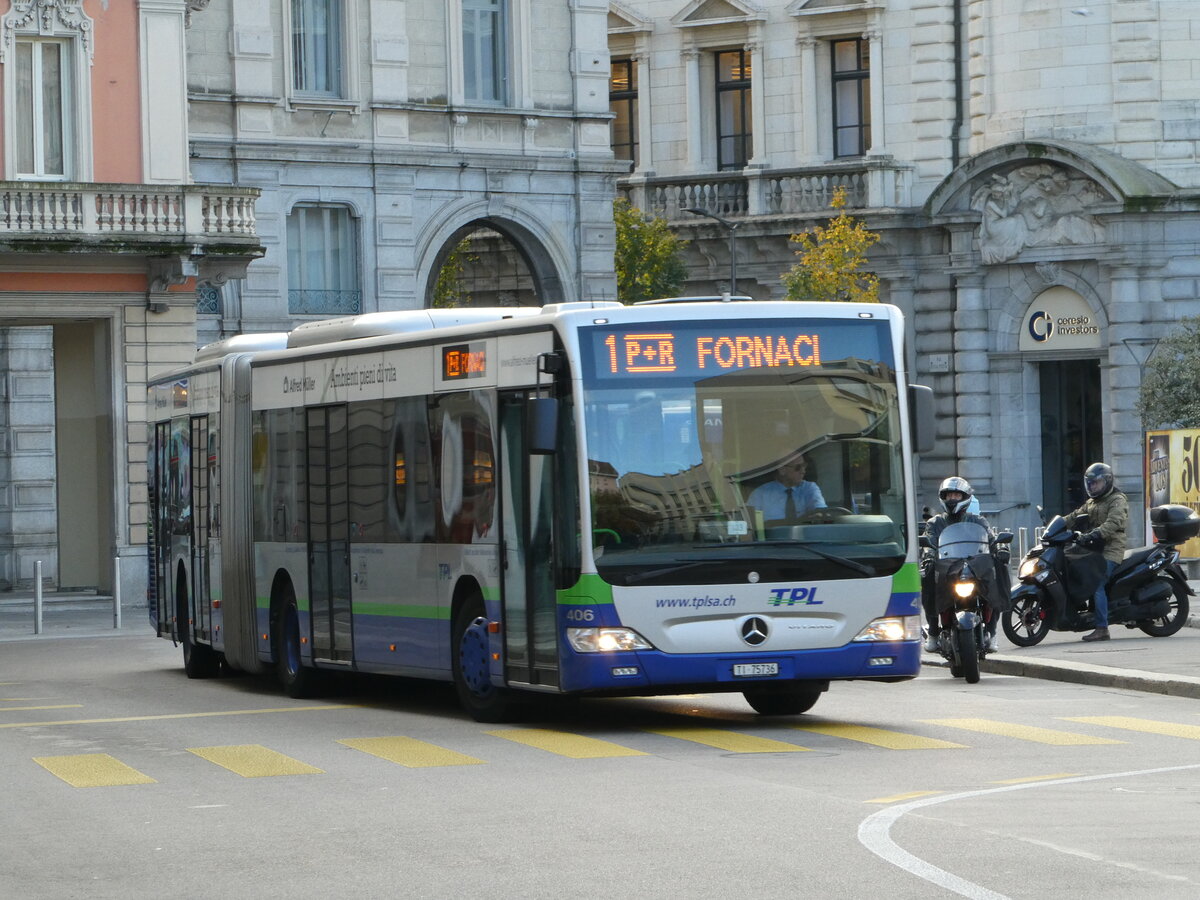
(1173, 476)
(1059, 319)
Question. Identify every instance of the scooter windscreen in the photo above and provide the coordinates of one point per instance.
(963, 540)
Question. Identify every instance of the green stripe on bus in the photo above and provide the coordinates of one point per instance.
(589, 590)
(907, 580)
(401, 610)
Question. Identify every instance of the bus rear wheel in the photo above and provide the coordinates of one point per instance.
(199, 660)
(470, 659)
(783, 700)
(298, 680)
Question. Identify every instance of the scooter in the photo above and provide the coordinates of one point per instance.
(965, 586)
(1146, 590)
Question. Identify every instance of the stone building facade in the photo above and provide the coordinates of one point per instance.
(104, 237)
(381, 132)
(1032, 169)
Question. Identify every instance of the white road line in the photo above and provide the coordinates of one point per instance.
(873, 833)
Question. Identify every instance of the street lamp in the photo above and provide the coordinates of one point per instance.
(731, 227)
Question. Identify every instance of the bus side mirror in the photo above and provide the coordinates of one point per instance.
(922, 427)
(541, 425)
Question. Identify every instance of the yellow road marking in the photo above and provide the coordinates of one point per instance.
(201, 715)
(411, 753)
(1023, 732)
(892, 740)
(575, 746)
(911, 795)
(1171, 729)
(92, 770)
(27, 708)
(254, 761)
(1036, 778)
(728, 740)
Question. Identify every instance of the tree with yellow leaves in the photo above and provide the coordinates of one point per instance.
(831, 260)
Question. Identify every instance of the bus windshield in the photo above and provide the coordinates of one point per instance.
(726, 451)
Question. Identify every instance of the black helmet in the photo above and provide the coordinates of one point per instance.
(954, 483)
(1097, 479)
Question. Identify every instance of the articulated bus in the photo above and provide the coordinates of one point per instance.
(551, 500)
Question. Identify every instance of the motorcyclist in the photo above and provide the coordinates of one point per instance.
(957, 497)
(1107, 512)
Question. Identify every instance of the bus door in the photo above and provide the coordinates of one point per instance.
(201, 497)
(329, 534)
(526, 509)
(161, 525)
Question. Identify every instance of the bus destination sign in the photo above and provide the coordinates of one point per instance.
(708, 352)
(463, 361)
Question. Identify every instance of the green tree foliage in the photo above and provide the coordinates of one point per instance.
(649, 256)
(449, 291)
(1170, 394)
(831, 260)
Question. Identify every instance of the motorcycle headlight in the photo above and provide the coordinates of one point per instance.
(964, 589)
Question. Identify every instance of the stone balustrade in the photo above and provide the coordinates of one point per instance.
(770, 192)
(99, 211)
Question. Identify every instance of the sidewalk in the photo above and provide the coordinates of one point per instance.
(68, 615)
(1131, 660)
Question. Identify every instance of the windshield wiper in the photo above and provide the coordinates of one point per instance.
(851, 564)
(666, 570)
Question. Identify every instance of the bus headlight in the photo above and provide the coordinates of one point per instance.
(894, 628)
(606, 640)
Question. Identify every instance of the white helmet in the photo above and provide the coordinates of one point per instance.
(954, 483)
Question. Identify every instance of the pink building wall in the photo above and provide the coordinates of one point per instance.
(115, 90)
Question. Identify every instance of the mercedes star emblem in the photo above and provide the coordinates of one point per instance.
(754, 631)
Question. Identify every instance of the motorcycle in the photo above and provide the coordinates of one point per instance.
(1147, 590)
(967, 591)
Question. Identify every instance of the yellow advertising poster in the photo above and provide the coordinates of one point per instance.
(1173, 476)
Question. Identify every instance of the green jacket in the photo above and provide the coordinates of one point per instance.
(1110, 514)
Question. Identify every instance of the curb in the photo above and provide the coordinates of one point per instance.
(1085, 673)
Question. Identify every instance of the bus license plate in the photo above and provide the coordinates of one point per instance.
(755, 670)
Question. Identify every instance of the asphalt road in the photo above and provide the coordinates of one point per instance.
(122, 778)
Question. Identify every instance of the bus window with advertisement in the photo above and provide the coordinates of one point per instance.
(583, 499)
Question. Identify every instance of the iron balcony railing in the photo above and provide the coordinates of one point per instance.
(324, 303)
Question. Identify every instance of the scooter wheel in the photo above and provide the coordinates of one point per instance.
(1027, 622)
(1167, 625)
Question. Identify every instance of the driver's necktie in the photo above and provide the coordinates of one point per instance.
(789, 508)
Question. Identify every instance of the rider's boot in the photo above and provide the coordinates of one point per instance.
(1100, 634)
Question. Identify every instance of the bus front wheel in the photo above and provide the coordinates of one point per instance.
(470, 658)
(783, 700)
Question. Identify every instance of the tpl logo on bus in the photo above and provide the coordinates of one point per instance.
(464, 361)
(801, 596)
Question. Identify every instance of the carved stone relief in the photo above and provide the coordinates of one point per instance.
(1039, 205)
(46, 18)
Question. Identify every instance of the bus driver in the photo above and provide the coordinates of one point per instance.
(788, 497)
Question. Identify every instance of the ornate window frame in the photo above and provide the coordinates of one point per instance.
(518, 40)
(66, 22)
(349, 95)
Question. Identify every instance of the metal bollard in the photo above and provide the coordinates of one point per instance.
(117, 592)
(37, 597)
(1022, 541)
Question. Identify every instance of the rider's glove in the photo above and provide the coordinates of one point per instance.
(1093, 540)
